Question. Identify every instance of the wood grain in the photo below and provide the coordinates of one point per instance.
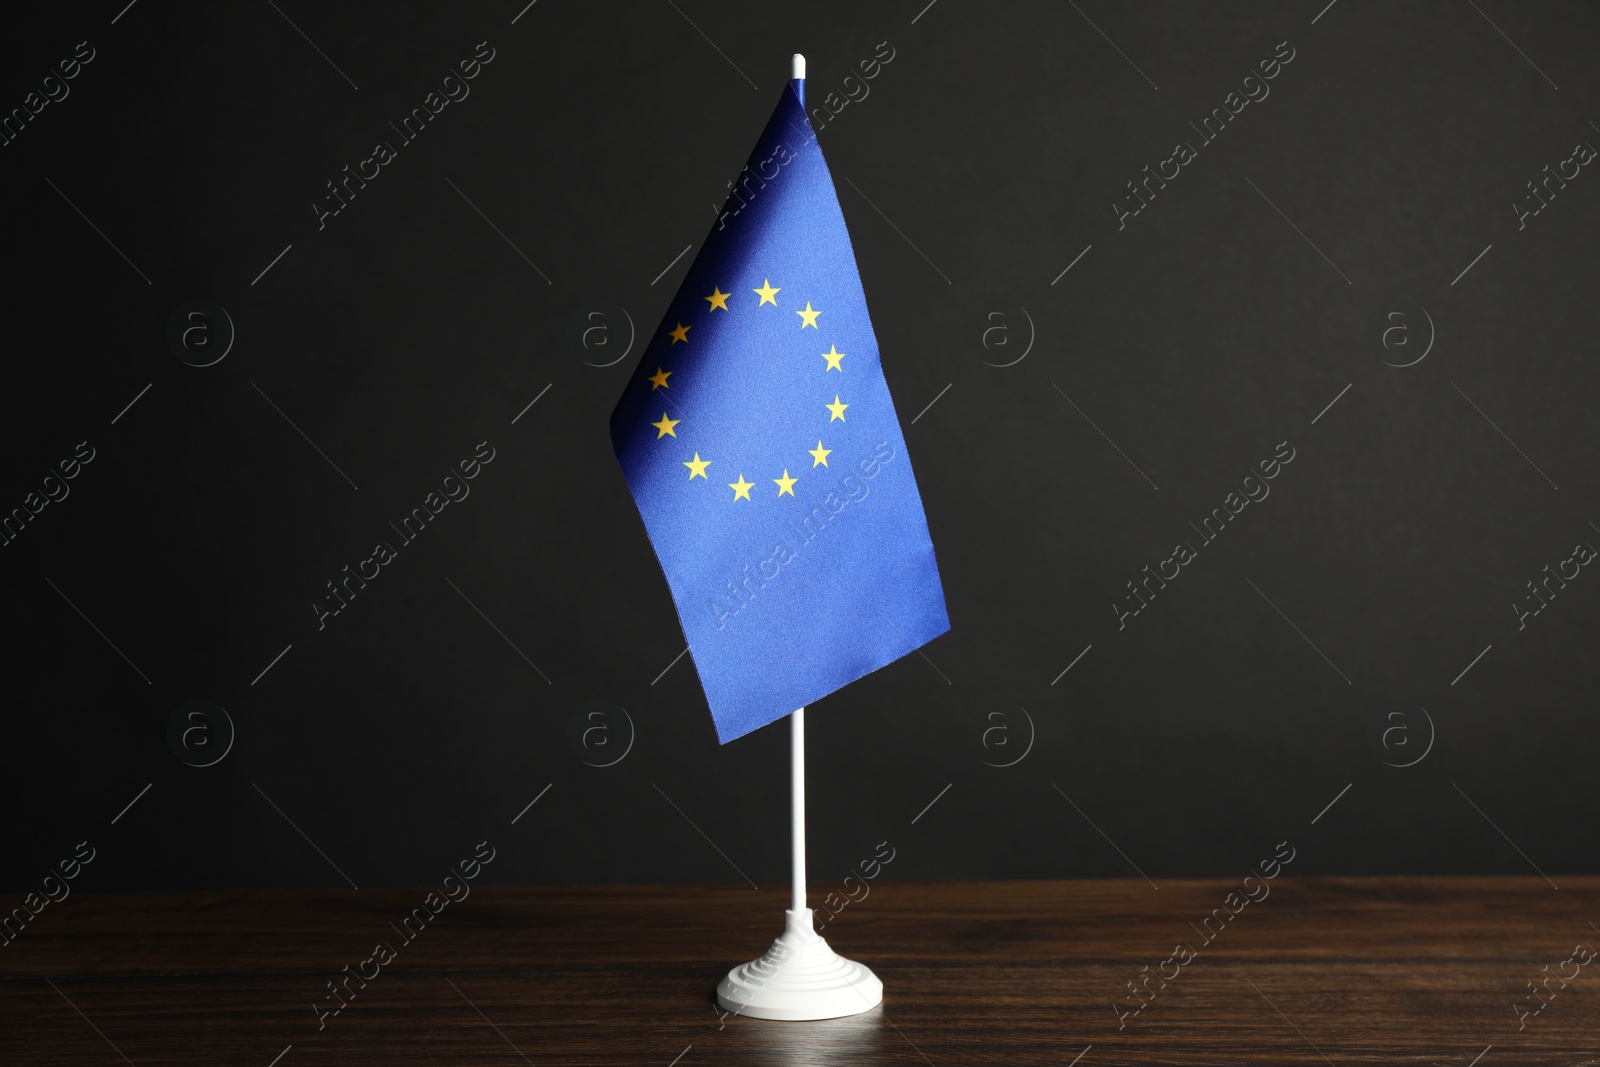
(1322, 971)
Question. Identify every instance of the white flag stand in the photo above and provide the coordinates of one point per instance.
(800, 977)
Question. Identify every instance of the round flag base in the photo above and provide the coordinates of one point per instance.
(799, 978)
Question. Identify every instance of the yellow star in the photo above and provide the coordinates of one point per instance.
(835, 407)
(658, 380)
(833, 356)
(769, 295)
(785, 484)
(741, 488)
(697, 466)
(819, 455)
(809, 316)
(680, 334)
(718, 299)
(666, 426)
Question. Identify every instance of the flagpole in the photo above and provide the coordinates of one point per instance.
(799, 977)
(797, 805)
(797, 726)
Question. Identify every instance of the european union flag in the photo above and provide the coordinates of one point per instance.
(762, 448)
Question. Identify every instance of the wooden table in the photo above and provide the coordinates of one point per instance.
(1330, 970)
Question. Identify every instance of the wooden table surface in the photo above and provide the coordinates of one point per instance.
(1322, 971)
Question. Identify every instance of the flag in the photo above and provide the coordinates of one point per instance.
(762, 448)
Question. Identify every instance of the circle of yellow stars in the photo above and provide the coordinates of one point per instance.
(667, 427)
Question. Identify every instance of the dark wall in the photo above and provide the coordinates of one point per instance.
(1341, 279)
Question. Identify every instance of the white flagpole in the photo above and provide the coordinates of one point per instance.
(797, 793)
(797, 748)
(799, 977)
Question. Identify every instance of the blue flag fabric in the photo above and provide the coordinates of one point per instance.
(762, 448)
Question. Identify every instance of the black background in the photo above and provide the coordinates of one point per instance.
(599, 142)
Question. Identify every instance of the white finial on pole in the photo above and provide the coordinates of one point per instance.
(798, 68)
